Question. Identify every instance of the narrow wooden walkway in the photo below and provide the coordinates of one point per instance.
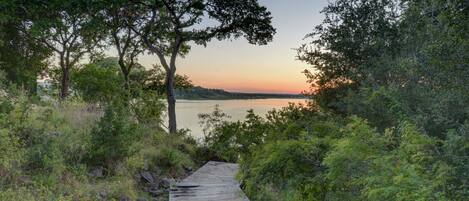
(215, 181)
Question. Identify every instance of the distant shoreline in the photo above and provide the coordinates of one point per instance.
(200, 93)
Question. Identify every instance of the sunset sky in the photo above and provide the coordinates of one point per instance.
(238, 66)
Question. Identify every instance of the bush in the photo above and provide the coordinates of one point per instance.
(98, 82)
(284, 170)
(148, 108)
(166, 155)
(402, 164)
(231, 141)
(280, 155)
(113, 136)
(11, 158)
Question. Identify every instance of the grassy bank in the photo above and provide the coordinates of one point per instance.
(78, 151)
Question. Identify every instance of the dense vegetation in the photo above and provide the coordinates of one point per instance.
(388, 118)
(34, 32)
(95, 131)
(77, 150)
(200, 93)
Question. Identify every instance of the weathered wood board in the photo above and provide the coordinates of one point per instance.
(215, 181)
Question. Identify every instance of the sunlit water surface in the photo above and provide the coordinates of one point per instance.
(187, 110)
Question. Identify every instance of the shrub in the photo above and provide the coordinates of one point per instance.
(403, 164)
(286, 168)
(11, 158)
(167, 155)
(97, 82)
(349, 160)
(113, 136)
(148, 108)
(454, 178)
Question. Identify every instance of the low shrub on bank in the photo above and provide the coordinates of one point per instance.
(299, 153)
(79, 151)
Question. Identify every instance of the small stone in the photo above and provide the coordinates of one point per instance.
(124, 198)
(148, 177)
(137, 177)
(25, 179)
(188, 169)
(165, 183)
(55, 134)
(102, 194)
(96, 172)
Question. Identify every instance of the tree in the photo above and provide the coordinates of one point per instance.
(98, 81)
(21, 58)
(352, 35)
(126, 42)
(65, 30)
(168, 26)
(154, 79)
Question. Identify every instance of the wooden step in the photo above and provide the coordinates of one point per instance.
(215, 181)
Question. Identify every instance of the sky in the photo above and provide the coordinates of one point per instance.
(236, 65)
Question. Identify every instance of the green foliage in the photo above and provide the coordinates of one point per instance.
(154, 79)
(228, 140)
(280, 155)
(231, 140)
(388, 118)
(410, 66)
(352, 35)
(412, 171)
(285, 170)
(113, 135)
(99, 81)
(148, 109)
(46, 150)
(281, 158)
(348, 160)
(21, 58)
(399, 165)
(12, 155)
(456, 150)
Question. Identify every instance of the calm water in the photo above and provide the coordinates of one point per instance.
(187, 110)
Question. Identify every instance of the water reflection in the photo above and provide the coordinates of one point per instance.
(187, 110)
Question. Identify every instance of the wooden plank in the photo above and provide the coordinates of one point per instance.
(215, 181)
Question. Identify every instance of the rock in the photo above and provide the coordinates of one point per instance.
(96, 172)
(124, 198)
(137, 177)
(188, 169)
(148, 177)
(25, 179)
(102, 195)
(165, 183)
(55, 134)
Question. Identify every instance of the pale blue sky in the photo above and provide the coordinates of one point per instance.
(239, 66)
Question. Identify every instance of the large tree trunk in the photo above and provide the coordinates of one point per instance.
(126, 81)
(124, 71)
(64, 81)
(171, 102)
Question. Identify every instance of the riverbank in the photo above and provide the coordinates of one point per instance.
(200, 93)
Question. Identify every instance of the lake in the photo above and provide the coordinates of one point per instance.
(187, 110)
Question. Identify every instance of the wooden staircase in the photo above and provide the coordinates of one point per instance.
(215, 181)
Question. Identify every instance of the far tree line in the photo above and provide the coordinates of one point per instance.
(35, 33)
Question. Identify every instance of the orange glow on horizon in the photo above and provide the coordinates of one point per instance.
(251, 86)
(235, 65)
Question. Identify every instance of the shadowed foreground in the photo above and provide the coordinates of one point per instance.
(213, 181)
